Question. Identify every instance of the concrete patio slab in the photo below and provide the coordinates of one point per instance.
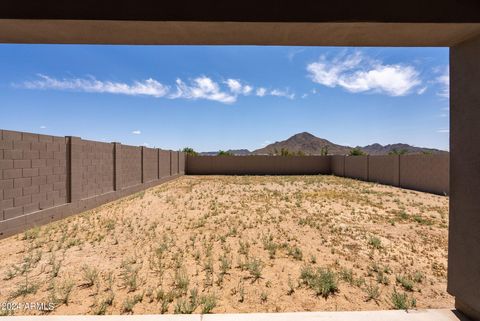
(391, 315)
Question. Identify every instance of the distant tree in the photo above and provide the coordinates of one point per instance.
(285, 152)
(224, 153)
(395, 151)
(357, 152)
(300, 153)
(324, 151)
(427, 152)
(190, 151)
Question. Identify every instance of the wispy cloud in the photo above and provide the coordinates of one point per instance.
(202, 87)
(443, 131)
(148, 87)
(136, 132)
(357, 73)
(293, 52)
(43, 127)
(282, 93)
(444, 81)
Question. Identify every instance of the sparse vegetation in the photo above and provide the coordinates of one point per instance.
(238, 244)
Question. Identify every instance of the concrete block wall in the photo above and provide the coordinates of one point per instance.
(32, 173)
(337, 165)
(384, 169)
(174, 166)
(164, 163)
(357, 167)
(97, 168)
(131, 165)
(150, 164)
(257, 165)
(427, 173)
(44, 178)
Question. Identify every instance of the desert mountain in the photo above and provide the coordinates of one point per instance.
(309, 144)
(306, 143)
(377, 149)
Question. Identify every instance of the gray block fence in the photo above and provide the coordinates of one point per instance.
(45, 178)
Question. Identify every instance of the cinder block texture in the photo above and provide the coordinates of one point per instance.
(44, 178)
(32, 173)
(97, 168)
(164, 163)
(150, 164)
(428, 173)
(258, 165)
(181, 162)
(174, 162)
(131, 165)
(384, 169)
(338, 165)
(356, 167)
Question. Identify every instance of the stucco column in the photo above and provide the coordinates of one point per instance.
(464, 230)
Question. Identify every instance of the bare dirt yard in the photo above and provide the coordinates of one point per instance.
(216, 244)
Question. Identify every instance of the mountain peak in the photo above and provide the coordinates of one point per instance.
(310, 144)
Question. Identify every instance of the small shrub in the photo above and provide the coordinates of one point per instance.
(373, 292)
(90, 276)
(254, 267)
(322, 281)
(296, 253)
(181, 280)
(130, 302)
(375, 242)
(264, 297)
(209, 302)
(405, 282)
(64, 291)
(401, 301)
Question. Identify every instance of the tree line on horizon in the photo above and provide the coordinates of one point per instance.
(357, 151)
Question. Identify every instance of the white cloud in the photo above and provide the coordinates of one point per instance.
(247, 89)
(261, 92)
(292, 53)
(136, 132)
(237, 87)
(443, 131)
(422, 90)
(444, 81)
(234, 85)
(358, 73)
(282, 93)
(202, 88)
(43, 127)
(198, 88)
(148, 87)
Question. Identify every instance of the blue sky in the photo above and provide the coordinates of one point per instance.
(221, 97)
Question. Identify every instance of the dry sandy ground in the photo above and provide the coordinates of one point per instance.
(238, 244)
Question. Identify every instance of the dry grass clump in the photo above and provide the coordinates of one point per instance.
(238, 244)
